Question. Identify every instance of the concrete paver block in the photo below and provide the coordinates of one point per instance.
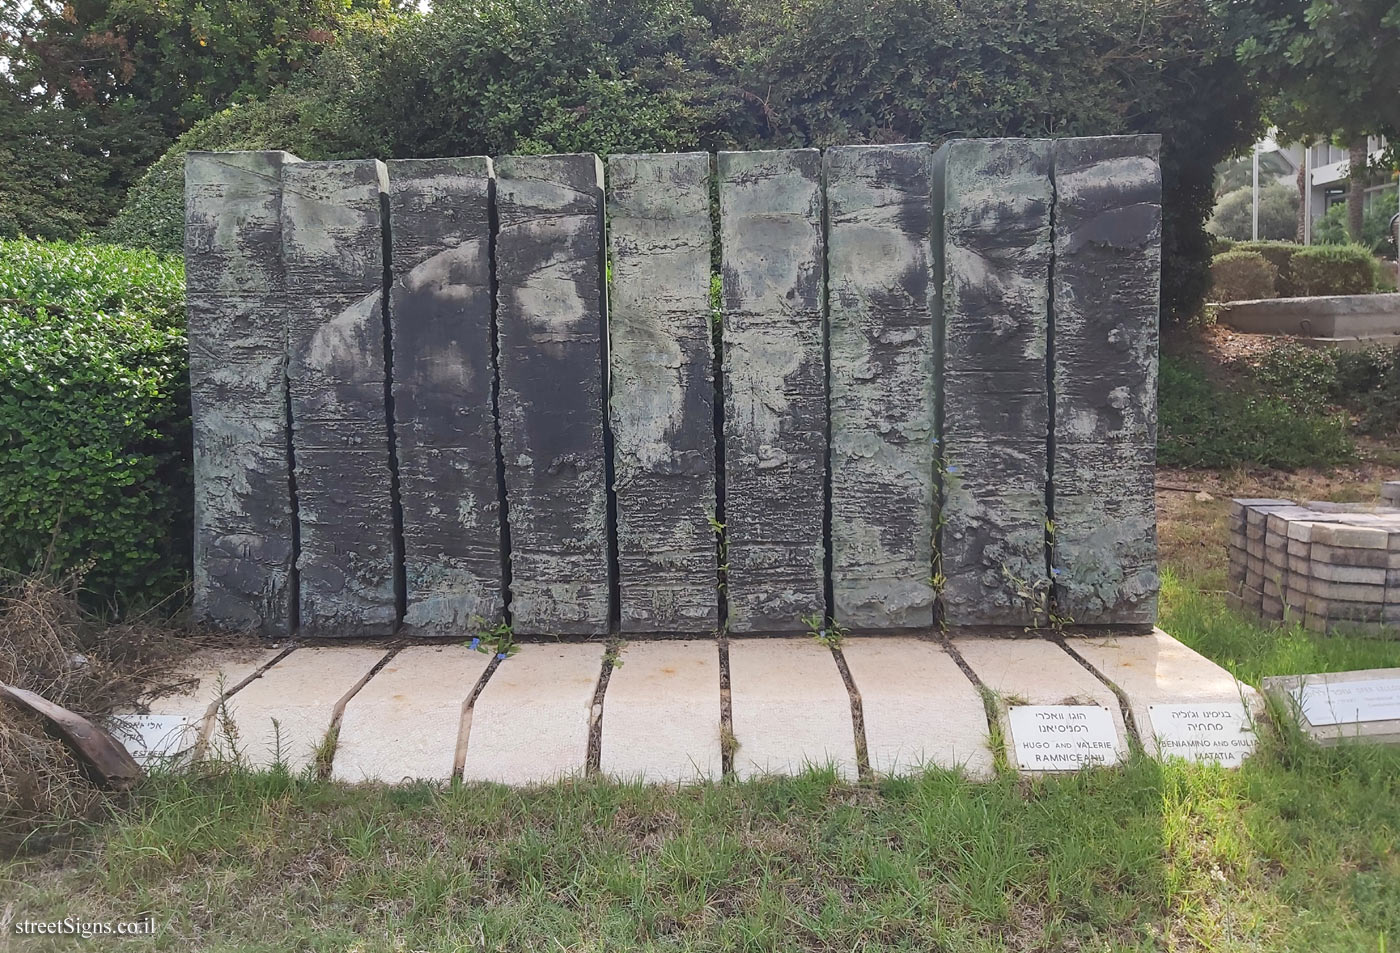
(530, 723)
(1156, 669)
(661, 716)
(188, 696)
(404, 723)
(920, 708)
(284, 714)
(1037, 672)
(790, 708)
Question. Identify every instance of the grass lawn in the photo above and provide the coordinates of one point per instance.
(1297, 851)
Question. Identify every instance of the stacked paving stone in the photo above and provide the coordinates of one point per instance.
(1334, 566)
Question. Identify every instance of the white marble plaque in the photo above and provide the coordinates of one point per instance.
(153, 737)
(1203, 731)
(1343, 703)
(1062, 737)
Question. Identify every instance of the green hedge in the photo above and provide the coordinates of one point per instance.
(94, 418)
(1333, 270)
(1278, 254)
(1239, 275)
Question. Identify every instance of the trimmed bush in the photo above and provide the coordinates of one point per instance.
(1242, 276)
(94, 418)
(1333, 270)
(1280, 255)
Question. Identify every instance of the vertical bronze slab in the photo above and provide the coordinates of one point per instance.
(333, 252)
(440, 316)
(1108, 262)
(552, 356)
(883, 384)
(994, 200)
(662, 399)
(244, 577)
(774, 386)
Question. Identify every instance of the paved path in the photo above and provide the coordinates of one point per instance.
(657, 710)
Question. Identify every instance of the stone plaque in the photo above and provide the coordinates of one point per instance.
(1203, 731)
(1063, 737)
(992, 200)
(1344, 703)
(1108, 262)
(333, 256)
(244, 577)
(153, 737)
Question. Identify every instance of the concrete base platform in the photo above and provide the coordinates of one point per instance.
(661, 712)
(1156, 670)
(920, 709)
(661, 720)
(404, 724)
(530, 724)
(791, 709)
(1033, 671)
(284, 715)
(182, 710)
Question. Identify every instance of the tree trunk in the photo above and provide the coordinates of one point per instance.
(1356, 187)
(1302, 196)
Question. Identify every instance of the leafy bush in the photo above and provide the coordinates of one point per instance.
(639, 75)
(1368, 384)
(1280, 255)
(94, 417)
(1333, 270)
(1202, 425)
(1233, 216)
(1331, 229)
(1304, 377)
(1238, 275)
(1312, 380)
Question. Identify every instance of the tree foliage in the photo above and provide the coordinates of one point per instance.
(95, 90)
(501, 76)
(1278, 213)
(1332, 66)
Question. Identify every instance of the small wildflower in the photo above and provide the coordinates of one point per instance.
(501, 656)
(476, 643)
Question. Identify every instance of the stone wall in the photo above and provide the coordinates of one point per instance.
(890, 385)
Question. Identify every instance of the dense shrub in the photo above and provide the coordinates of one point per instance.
(1368, 384)
(1313, 380)
(1233, 216)
(1280, 255)
(603, 75)
(94, 417)
(1333, 270)
(1238, 275)
(1203, 425)
(1376, 235)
